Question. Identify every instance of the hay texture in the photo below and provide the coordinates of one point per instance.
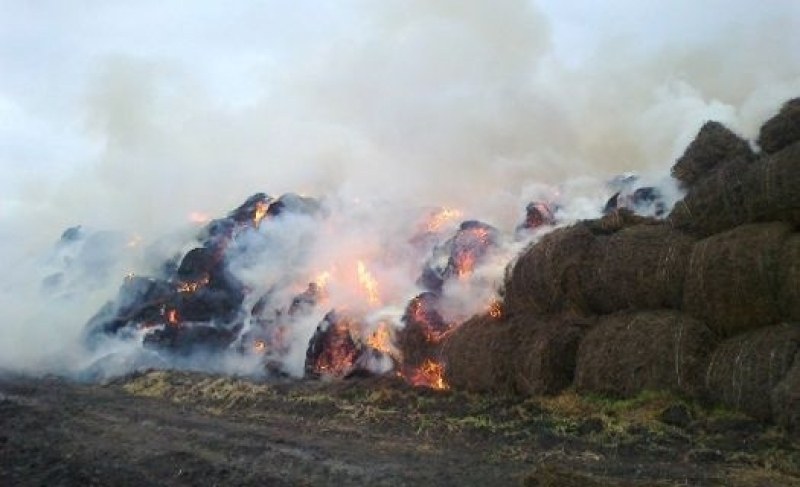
(785, 399)
(743, 192)
(545, 353)
(639, 267)
(630, 352)
(477, 355)
(781, 130)
(789, 282)
(732, 282)
(713, 145)
(744, 370)
(544, 279)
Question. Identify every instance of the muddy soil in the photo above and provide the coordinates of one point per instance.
(175, 428)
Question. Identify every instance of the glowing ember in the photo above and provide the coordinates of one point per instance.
(369, 284)
(260, 212)
(429, 374)
(172, 316)
(332, 350)
(192, 286)
(496, 310)
(441, 217)
(260, 346)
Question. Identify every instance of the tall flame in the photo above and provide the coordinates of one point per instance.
(260, 212)
(369, 284)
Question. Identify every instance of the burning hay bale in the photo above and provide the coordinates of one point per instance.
(785, 399)
(744, 370)
(545, 277)
(478, 355)
(789, 282)
(732, 279)
(333, 351)
(629, 352)
(639, 267)
(545, 353)
(714, 144)
(537, 214)
(781, 130)
(419, 339)
(743, 192)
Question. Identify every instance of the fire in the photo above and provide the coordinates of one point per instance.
(496, 310)
(199, 217)
(260, 346)
(369, 284)
(172, 317)
(192, 286)
(322, 279)
(429, 374)
(441, 217)
(260, 212)
(381, 339)
(465, 264)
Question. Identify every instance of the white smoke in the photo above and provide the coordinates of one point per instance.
(148, 113)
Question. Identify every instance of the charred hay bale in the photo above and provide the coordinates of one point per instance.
(544, 355)
(732, 282)
(781, 130)
(477, 355)
(544, 279)
(789, 282)
(743, 192)
(639, 267)
(629, 352)
(744, 370)
(714, 144)
(785, 399)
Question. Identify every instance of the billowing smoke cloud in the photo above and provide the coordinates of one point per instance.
(382, 108)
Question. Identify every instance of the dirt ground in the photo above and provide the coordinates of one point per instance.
(177, 428)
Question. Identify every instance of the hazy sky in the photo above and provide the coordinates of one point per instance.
(90, 86)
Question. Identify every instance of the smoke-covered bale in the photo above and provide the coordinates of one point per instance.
(639, 267)
(419, 339)
(785, 399)
(732, 282)
(544, 356)
(743, 192)
(629, 352)
(545, 277)
(781, 130)
(713, 145)
(743, 370)
(478, 355)
(616, 220)
(789, 285)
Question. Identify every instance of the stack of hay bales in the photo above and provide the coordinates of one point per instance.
(706, 303)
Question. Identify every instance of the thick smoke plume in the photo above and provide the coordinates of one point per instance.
(382, 109)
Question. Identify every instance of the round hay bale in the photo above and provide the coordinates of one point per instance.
(743, 370)
(743, 192)
(714, 144)
(781, 130)
(732, 279)
(785, 400)
(477, 355)
(616, 220)
(789, 282)
(639, 267)
(544, 278)
(630, 352)
(545, 353)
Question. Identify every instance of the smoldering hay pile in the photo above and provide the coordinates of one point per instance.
(703, 303)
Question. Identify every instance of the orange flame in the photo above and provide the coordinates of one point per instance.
(260, 213)
(496, 310)
(369, 284)
(260, 346)
(172, 316)
(441, 217)
(192, 286)
(381, 339)
(429, 374)
(322, 279)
